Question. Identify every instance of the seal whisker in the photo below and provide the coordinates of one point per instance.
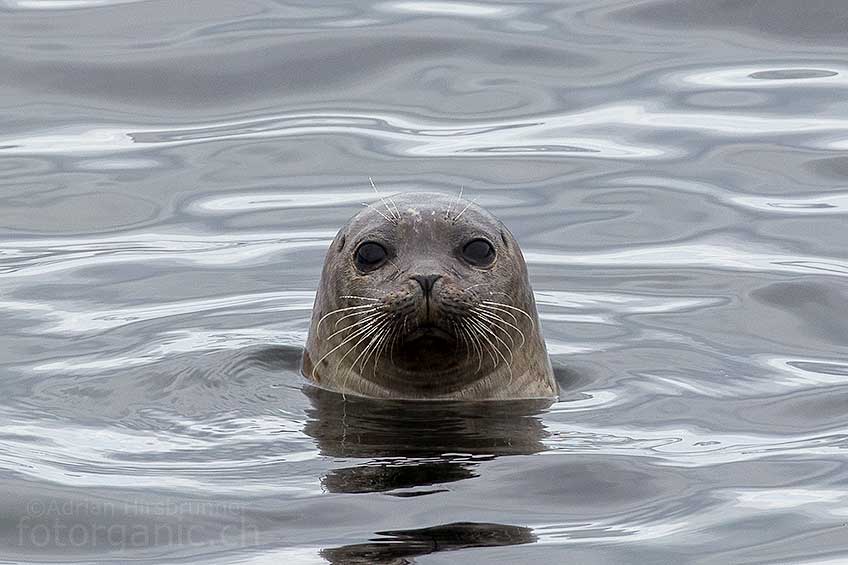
(478, 346)
(394, 213)
(381, 342)
(390, 345)
(336, 311)
(456, 199)
(467, 206)
(370, 348)
(495, 325)
(495, 321)
(355, 324)
(494, 309)
(519, 310)
(394, 265)
(456, 333)
(359, 297)
(489, 346)
(491, 315)
(364, 334)
(461, 334)
(497, 349)
(467, 289)
(397, 211)
(476, 325)
(469, 345)
(353, 314)
(381, 348)
(452, 324)
(476, 342)
(390, 220)
(488, 331)
(349, 338)
(398, 334)
(370, 337)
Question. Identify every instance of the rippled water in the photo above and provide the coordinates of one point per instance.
(172, 172)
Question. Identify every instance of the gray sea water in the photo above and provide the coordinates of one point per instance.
(171, 174)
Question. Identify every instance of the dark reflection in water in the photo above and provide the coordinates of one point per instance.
(410, 449)
(785, 74)
(396, 547)
(417, 444)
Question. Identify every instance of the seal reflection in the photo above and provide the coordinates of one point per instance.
(410, 448)
(397, 546)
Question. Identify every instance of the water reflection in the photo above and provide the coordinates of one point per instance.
(675, 170)
(398, 545)
(407, 444)
(409, 449)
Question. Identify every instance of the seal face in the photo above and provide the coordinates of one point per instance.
(427, 297)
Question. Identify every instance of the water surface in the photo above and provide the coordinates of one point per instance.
(171, 174)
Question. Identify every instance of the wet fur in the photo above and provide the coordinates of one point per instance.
(376, 334)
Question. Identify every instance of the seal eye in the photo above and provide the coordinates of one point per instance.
(370, 255)
(479, 252)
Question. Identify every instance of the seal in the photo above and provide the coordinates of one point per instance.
(427, 297)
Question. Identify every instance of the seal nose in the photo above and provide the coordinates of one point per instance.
(426, 282)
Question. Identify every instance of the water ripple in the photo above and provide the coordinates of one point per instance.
(756, 77)
(551, 134)
(62, 4)
(724, 255)
(172, 173)
(41, 256)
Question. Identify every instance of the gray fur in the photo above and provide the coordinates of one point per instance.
(484, 340)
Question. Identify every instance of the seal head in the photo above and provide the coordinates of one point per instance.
(426, 296)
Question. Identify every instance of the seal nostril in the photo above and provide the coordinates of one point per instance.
(426, 282)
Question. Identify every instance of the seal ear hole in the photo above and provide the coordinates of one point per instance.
(503, 238)
(341, 243)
